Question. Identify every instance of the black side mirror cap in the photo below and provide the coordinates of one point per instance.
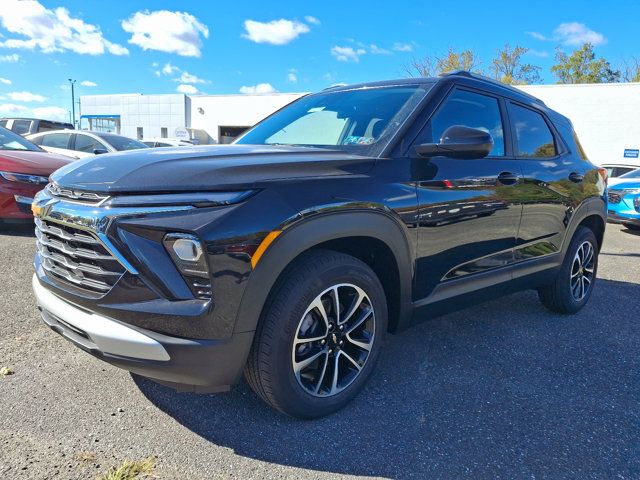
(459, 142)
(99, 151)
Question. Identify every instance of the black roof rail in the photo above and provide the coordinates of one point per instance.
(477, 76)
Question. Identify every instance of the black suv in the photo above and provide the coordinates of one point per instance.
(288, 256)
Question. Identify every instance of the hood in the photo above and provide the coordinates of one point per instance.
(625, 184)
(206, 167)
(35, 163)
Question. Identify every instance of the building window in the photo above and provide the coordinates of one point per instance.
(163, 132)
(140, 133)
(229, 134)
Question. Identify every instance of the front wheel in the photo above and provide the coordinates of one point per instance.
(572, 287)
(319, 336)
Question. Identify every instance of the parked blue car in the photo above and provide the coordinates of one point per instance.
(624, 201)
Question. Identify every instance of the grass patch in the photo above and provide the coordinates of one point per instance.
(4, 371)
(130, 470)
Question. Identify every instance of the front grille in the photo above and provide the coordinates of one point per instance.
(76, 257)
(614, 197)
(86, 197)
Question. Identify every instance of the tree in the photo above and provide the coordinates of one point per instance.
(464, 60)
(508, 68)
(583, 67)
(452, 60)
(631, 70)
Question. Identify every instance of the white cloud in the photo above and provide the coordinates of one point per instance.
(538, 53)
(376, 50)
(292, 76)
(25, 97)
(312, 20)
(188, 89)
(537, 36)
(258, 89)
(12, 108)
(165, 31)
(275, 32)
(6, 81)
(575, 34)
(572, 34)
(169, 69)
(402, 47)
(186, 77)
(51, 113)
(88, 83)
(347, 54)
(12, 58)
(52, 30)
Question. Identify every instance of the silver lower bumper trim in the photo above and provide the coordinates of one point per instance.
(109, 336)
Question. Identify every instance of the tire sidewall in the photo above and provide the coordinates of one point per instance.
(582, 235)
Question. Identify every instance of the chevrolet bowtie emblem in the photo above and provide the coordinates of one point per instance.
(36, 209)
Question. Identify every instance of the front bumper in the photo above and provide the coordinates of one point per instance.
(185, 364)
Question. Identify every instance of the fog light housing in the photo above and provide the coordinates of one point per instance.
(188, 256)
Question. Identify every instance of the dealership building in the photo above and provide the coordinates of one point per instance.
(606, 116)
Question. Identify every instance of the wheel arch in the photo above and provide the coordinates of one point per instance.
(355, 233)
(592, 213)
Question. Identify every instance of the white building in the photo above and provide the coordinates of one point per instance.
(606, 116)
(209, 118)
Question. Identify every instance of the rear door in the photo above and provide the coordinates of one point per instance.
(553, 182)
(469, 213)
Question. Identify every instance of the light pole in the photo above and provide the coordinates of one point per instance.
(73, 103)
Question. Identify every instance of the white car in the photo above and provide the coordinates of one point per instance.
(616, 170)
(82, 144)
(167, 142)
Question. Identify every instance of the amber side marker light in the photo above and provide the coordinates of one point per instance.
(268, 240)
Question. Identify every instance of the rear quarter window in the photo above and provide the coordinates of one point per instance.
(534, 138)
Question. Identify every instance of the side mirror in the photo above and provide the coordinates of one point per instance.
(99, 151)
(459, 142)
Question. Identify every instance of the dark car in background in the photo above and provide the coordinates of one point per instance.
(350, 213)
(28, 126)
(24, 171)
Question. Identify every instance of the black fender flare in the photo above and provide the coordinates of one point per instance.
(309, 232)
(591, 206)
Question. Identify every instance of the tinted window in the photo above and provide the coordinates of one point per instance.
(85, 143)
(47, 126)
(534, 138)
(121, 143)
(21, 126)
(633, 174)
(470, 110)
(3, 123)
(56, 140)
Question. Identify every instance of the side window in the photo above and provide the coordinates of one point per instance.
(533, 136)
(85, 143)
(3, 123)
(56, 140)
(21, 126)
(470, 110)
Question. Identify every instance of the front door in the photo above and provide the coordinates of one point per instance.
(468, 209)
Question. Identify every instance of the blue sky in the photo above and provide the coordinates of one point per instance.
(245, 46)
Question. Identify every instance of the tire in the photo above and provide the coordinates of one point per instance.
(572, 287)
(293, 329)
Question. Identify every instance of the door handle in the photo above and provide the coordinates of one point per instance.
(508, 178)
(576, 177)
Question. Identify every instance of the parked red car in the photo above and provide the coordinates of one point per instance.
(24, 171)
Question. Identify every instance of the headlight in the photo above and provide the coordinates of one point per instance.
(24, 178)
(188, 255)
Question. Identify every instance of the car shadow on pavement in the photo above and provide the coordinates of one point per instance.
(503, 389)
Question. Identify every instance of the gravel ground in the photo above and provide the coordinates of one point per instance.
(504, 390)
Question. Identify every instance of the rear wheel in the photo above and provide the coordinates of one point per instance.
(572, 287)
(319, 336)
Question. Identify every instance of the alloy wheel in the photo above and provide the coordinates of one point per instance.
(333, 340)
(582, 270)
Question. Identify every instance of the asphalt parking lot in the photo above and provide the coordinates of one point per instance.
(505, 390)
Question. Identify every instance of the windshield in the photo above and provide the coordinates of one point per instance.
(359, 121)
(633, 174)
(13, 141)
(122, 143)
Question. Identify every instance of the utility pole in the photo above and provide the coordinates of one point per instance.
(73, 103)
